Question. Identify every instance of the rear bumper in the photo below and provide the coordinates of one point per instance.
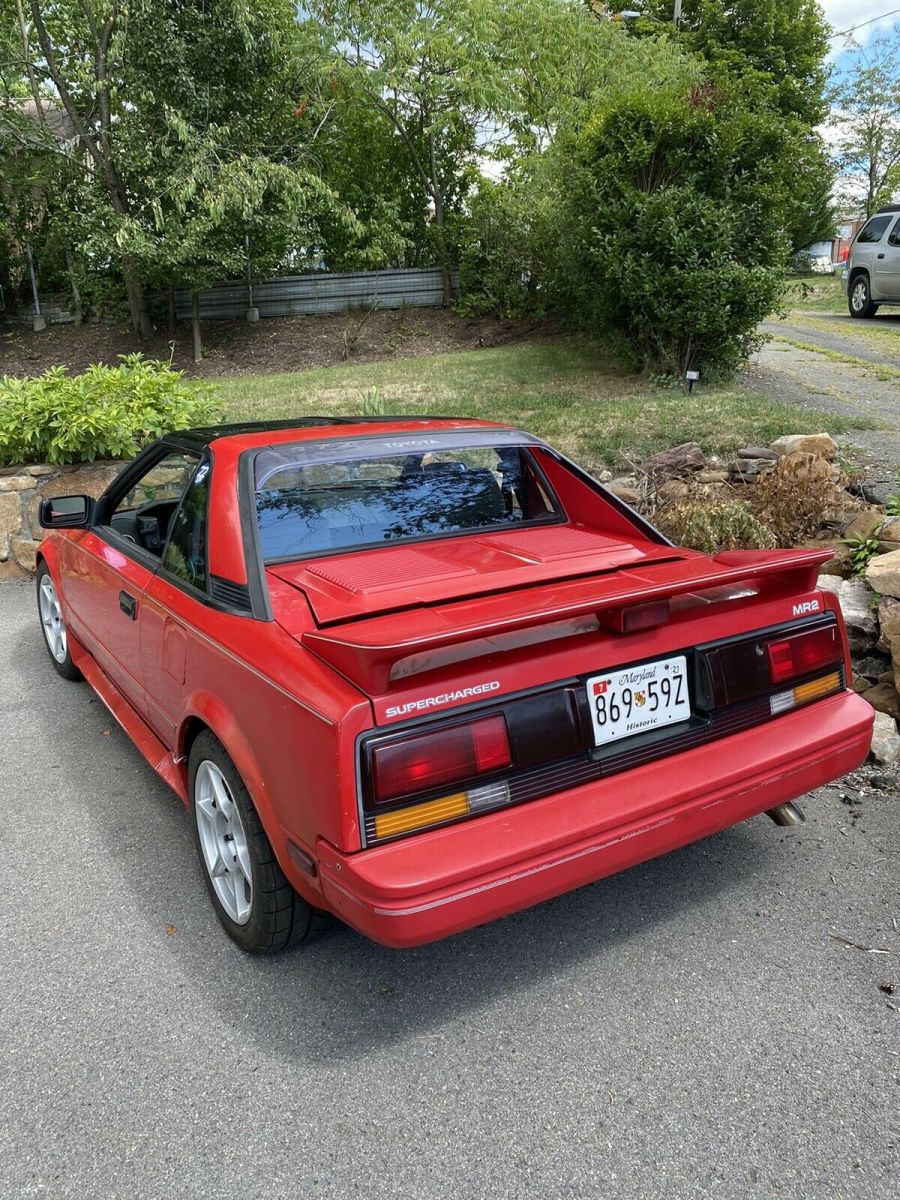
(435, 884)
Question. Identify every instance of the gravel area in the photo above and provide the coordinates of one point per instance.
(810, 379)
(691, 1028)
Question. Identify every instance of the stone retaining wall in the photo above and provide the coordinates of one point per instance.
(21, 491)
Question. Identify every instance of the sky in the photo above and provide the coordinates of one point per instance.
(842, 14)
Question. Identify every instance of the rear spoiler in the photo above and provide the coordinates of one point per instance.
(370, 652)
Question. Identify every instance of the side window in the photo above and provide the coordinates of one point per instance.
(185, 552)
(143, 514)
(874, 231)
(894, 239)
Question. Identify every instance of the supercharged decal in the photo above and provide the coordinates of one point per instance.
(469, 693)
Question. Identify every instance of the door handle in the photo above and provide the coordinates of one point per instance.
(880, 256)
(128, 605)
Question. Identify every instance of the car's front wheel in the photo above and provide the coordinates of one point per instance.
(53, 625)
(859, 299)
(253, 900)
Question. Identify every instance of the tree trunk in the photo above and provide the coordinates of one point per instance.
(195, 326)
(170, 325)
(137, 305)
(76, 291)
(437, 197)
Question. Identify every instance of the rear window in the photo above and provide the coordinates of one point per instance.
(307, 506)
(874, 231)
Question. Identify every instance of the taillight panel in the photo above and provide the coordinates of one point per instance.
(444, 770)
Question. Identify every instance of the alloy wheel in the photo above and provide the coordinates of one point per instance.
(52, 622)
(223, 842)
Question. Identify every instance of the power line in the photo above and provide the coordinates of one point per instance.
(863, 24)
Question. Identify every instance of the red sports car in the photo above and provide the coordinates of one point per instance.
(422, 673)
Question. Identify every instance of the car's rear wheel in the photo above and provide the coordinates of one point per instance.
(53, 625)
(253, 900)
(859, 300)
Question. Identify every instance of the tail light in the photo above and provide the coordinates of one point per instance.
(803, 653)
(636, 616)
(431, 760)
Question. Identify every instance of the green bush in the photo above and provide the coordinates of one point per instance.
(107, 412)
(497, 274)
(669, 226)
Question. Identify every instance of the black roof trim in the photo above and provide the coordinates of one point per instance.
(204, 434)
(888, 208)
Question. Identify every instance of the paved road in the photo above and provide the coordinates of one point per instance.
(686, 1030)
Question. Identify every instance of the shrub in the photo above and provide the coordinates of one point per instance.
(714, 525)
(798, 497)
(107, 412)
(669, 228)
(497, 275)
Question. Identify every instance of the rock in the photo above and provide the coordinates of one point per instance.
(758, 452)
(861, 684)
(884, 699)
(885, 740)
(713, 476)
(23, 551)
(860, 643)
(864, 524)
(855, 600)
(680, 460)
(41, 469)
(10, 569)
(673, 489)
(872, 667)
(888, 622)
(10, 520)
(16, 483)
(883, 574)
(829, 583)
(626, 489)
(895, 660)
(887, 547)
(820, 444)
(890, 530)
(839, 563)
(886, 677)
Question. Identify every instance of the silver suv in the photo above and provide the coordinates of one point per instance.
(872, 276)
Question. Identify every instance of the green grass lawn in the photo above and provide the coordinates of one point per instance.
(816, 293)
(565, 390)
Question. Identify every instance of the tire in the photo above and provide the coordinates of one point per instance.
(53, 625)
(253, 900)
(859, 300)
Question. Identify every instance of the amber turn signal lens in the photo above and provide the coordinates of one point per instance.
(418, 816)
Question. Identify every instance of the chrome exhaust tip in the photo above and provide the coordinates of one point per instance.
(786, 814)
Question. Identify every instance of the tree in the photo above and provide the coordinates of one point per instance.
(780, 45)
(865, 119)
(425, 66)
(668, 223)
(187, 115)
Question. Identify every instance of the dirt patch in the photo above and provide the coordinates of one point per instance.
(282, 344)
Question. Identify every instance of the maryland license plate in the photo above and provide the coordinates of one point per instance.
(624, 703)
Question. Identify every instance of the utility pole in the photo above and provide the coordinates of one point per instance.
(677, 15)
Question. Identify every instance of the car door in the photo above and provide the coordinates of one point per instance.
(868, 250)
(887, 265)
(106, 571)
(175, 604)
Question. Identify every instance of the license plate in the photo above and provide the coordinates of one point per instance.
(624, 703)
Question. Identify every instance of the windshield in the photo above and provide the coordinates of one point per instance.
(310, 505)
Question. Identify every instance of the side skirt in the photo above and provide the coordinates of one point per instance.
(161, 759)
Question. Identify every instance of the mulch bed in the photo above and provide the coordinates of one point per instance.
(276, 344)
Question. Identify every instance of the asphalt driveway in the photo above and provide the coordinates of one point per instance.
(688, 1029)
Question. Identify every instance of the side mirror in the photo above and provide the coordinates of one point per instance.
(66, 512)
